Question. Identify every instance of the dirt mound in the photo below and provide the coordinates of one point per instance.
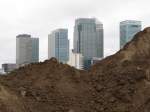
(50, 87)
(119, 83)
(124, 78)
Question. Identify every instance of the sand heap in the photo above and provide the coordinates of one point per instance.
(119, 83)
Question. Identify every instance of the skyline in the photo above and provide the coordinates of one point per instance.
(39, 18)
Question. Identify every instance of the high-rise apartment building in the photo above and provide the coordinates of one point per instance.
(27, 49)
(58, 45)
(128, 29)
(88, 39)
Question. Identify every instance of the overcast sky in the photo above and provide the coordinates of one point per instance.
(40, 17)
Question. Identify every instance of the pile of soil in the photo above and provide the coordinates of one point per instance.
(123, 80)
(119, 83)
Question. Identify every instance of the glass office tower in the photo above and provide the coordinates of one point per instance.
(88, 39)
(35, 49)
(128, 29)
(58, 45)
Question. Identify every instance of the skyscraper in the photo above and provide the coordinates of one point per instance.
(35, 49)
(58, 45)
(128, 29)
(27, 49)
(88, 39)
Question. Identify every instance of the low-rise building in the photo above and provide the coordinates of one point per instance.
(95, 60)
(76, 60)
(8, 67)
(2, 71)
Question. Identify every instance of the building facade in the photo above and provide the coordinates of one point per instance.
(95, 60)
(75, 60)
(2, 71)
(35, 50)
(8, 67)
(128, 29)
(27, 49)
(88, 39)
(58, 45)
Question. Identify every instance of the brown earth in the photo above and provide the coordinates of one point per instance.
(119, 83)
